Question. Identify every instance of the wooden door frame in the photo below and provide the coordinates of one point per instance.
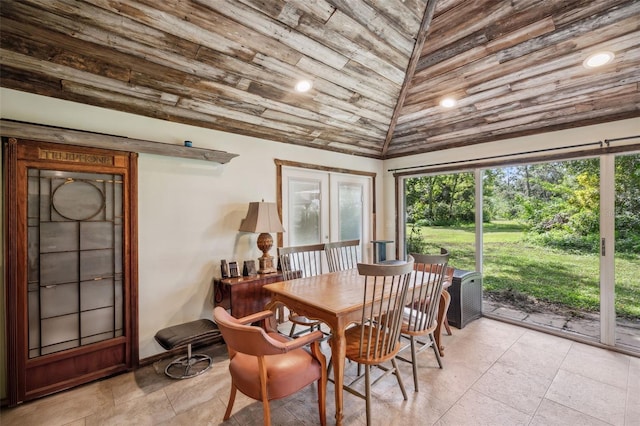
(15, 245)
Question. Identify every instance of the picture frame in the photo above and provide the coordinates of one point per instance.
(233, 269)
(249, 268)
(224, 269)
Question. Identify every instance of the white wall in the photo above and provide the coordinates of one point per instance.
(189, 210)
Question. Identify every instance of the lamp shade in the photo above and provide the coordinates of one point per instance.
(262, 217)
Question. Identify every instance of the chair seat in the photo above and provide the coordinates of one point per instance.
(412, 316)
(288, 373)
(352, 336)
(302, 320)
(190, 332)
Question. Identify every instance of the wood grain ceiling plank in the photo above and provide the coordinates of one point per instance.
(342, 32)
(479, 75)
(270, 27)
(420, 114)
(587, 27)
(176, 26)
(463, 20)
(15, 36)
(64, 72)
(379, 115)
(512, 108)
(406, 17)
(109, 40)
(91, 23)
(31, 82)
(584, 9)
(376, 22)
(228, 28)
(546, 118)
(319, 8)
(294, 74)
(352, 82)
(359, 50)
(576, 99)
(287, 108)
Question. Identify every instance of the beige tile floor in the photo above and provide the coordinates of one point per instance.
(494, 374)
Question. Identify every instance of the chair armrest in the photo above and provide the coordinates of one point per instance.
(304, 340)
(258, 316)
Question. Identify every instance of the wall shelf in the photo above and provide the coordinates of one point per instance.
(21, 130)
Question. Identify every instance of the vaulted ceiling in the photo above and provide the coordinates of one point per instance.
(379, 68)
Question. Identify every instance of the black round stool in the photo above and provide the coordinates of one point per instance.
(186, 334)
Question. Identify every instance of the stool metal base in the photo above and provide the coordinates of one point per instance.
(188, 366)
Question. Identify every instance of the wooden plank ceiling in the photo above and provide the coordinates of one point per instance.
(379, 67)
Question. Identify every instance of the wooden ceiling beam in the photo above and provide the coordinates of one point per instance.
(413, 62)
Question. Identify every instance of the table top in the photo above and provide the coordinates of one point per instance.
(335, 292)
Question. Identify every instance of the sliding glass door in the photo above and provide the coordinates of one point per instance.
(559, 242)
(626, 261)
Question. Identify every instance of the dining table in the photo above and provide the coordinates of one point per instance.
(336, 299)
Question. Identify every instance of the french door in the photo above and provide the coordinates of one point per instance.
(70, 299)
(320, 206)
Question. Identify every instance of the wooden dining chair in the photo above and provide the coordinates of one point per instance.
(375, 339)
(265, 365)
(300, 262)
(342, 255)
(419, 317)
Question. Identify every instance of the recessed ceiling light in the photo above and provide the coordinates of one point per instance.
(448, 102)
(303, 86)
(598, 59)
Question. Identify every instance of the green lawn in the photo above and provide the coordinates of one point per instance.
(517, 268)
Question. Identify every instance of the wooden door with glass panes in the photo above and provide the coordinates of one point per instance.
(70, 291)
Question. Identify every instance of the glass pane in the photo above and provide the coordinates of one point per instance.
(541, 245)
(304, 212)
(627, 255)
(33, 197)
(96, 235)
(441, 213)
(96, 264)
(350, 211)
(33, 256)
(118, 249)
(78, 200)
(34, 321)
(119, 305)
(58, 300)
(58, 268)
(58, 236)
(96, 294)
(97, 321)
(60, 329)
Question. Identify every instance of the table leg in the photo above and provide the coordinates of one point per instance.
(338, 352)
(445, 300)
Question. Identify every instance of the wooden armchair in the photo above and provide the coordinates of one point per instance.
(420, 315)
(300, 262)
(266, 365)
(375, 339)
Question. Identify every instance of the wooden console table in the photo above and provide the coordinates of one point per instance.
(243, 295)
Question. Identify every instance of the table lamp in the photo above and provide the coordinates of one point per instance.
(263, 218)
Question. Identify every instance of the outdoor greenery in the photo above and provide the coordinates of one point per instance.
(541, 230)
